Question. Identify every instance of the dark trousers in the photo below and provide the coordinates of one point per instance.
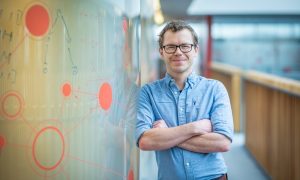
(223, 177)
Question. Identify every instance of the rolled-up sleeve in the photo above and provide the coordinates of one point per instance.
(221, 113)
(145, 115)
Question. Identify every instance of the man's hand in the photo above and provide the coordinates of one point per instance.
(203, 125)
(208, 141)
(160, 124)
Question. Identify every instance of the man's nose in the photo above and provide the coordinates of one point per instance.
(178, 51)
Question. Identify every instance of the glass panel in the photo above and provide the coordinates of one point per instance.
(68, 85)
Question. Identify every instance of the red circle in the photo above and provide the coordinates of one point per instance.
(15, 115)
(105, 96)
(130, 175)
(67, 89)
(33, 149)
(37, 20)
(2, 142)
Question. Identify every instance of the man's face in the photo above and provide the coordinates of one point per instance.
(179, 62)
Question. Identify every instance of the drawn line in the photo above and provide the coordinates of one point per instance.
(28, 124)
(70, 55)
(53, 24)
(14, 50)
(46, 51)
(68, 37)
(63, 20)
(19, 17)
(87, 93)
(96, 165)
(79, 122)
(59, 14)
(22, 40)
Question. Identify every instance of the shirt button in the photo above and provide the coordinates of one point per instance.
(175, 92)
(181, 109)
(187, 164)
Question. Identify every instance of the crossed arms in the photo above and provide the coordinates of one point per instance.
(196, 136)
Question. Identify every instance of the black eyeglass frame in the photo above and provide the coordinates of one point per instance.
(178, 46)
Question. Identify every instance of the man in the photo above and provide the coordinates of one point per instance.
(184, 117)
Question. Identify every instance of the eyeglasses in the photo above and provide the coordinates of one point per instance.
(185, 48)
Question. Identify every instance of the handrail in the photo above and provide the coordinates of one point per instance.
(284, 84)
(273, 81)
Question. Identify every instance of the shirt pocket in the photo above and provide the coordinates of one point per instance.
(162, 106)
(196, 111)
(167, 112)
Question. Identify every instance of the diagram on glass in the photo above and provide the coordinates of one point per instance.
(55, 122)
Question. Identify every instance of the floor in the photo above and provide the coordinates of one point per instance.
(241, 164)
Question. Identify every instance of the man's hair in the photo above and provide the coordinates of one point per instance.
(174, 26)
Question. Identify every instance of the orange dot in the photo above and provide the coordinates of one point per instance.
(67, 89)
(37, 20)
(105, 96)
(130, 175)
(2, 142)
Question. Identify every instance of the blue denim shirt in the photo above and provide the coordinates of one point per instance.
(201, 98)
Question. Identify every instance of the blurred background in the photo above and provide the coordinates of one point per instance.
(253, 47)
(70, 72)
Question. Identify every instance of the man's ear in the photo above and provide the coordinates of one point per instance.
(197, 48)
(161, 52)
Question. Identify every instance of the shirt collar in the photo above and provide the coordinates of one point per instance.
(191, 80)
(168, 78)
